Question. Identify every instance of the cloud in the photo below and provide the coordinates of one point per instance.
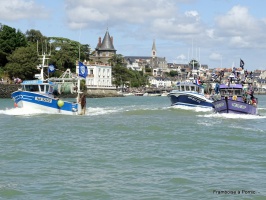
(215, 56)
(193, 14)
(181, 57)
(138, 19)
(236, 20)
(12, 10)
(240, 29)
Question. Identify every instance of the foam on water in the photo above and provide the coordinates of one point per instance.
(247, 128)
(102, 111)
(232, 116)
(196, 109)
(21, 111)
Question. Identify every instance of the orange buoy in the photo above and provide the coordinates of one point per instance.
(15, 105)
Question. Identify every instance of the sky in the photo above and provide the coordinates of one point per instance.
(217, 33)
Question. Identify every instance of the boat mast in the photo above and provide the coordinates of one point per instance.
(43, 57)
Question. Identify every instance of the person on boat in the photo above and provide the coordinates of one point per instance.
(217, 88)
(245, 96)
(250, 89)
(244, 99)
(253, 101)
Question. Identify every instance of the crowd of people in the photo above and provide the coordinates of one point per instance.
(16, 80)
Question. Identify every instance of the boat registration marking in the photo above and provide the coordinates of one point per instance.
(219, 105)
(238, 106)
(43, 99)
(194, 99)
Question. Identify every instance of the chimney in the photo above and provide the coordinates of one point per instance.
(112, 39)
(99, 41)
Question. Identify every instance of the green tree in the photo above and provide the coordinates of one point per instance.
(124, 76)
(173, 73)
(34, 36)
(137, 79)
(65, 53)
(10, 39)
(23, 63)
(119, 71)
(3, 59)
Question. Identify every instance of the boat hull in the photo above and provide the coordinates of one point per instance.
(236, 107)
(190, 99)
(29, 100)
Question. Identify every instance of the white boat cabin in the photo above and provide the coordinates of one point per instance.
(38, 86)
(189, 87)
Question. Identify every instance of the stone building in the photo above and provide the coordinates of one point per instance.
(158, 65)
(104, 50)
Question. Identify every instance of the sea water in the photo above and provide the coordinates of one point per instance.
(132, 148)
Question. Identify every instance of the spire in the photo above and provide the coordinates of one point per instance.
(153, 50)
(107, 42)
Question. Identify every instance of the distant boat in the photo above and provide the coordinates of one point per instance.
(189, 94)
(232, 98)
(165, 94)
(139, 94)
(40, 94)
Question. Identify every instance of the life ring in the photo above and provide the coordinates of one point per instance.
(234, 97)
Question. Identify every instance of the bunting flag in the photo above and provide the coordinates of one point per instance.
(51, 69)
(242, 63)
(83, 70)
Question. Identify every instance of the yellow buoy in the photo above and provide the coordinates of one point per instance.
(60, 103)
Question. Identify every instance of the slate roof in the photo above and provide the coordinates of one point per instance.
(107, 43)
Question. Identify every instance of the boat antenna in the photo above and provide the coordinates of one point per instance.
(37, 48)
(79, 42)
(50, 49)
(45, 46)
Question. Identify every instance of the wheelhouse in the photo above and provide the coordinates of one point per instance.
(38, 86)
(233, 90)
(189, 87)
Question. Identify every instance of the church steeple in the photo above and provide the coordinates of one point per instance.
(153, 50)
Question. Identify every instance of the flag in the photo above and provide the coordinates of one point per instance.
(198, 82)
(242, 63)
(51, 69)
(83, 70)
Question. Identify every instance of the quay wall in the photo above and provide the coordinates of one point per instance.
(7, 89)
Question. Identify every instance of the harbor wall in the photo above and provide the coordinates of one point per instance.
(7, 89)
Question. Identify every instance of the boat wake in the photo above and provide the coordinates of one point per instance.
(196, 109)
(101, 111)
(233, 116)
(22, 111)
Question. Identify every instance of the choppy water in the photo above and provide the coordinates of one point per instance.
(132, 148)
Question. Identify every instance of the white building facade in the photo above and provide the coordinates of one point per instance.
(160, 82)
(99, 76)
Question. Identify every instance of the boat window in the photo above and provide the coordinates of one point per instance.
(192, 88)
(182, 88)
(32, 88)
(187, 88)
(42, 88)
(51, 88)
(238, 92)
(222, 92)
(230, 92)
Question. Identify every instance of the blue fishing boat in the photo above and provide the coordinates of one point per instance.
(41, 94)
(191, 94)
